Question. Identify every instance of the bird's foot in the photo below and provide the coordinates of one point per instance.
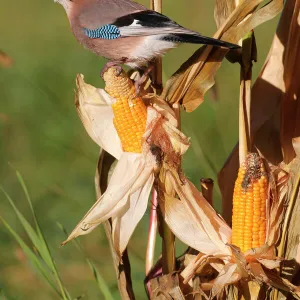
(110, 64)
(140, 82)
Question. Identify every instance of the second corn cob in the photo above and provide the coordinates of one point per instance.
(249, 204)
(130, 112)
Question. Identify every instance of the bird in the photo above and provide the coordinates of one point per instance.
(126, 32)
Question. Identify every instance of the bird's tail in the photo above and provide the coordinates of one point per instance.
(197, 39)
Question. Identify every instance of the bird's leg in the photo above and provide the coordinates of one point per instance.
(113, 63)
(138, 84)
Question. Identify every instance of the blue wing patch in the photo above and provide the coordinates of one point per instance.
(107, 32)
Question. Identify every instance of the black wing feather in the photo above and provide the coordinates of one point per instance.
(197, 39)
(146, 18)
(170, 30)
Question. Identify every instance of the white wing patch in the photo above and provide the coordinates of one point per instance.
(135, 23)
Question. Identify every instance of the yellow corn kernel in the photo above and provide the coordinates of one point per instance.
(130, 112)
(249, 204)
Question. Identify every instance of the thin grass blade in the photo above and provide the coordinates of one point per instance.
(103, 287)
(101, 282)
(38, 265)
(43, 246)
(27, 227)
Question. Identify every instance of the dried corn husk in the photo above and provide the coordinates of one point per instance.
(126, 197)
(267, 94)
(272, 97)
(189, 84)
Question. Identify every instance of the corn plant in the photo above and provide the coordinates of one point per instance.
(242, 254)
(38, 253)
(220, 262)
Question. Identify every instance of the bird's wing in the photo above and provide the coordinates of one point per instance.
(151, 23)
(141, 23)
(148, 22)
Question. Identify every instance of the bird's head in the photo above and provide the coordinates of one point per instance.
(67, 4)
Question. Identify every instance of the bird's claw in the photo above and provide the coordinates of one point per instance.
(110, 65)
(138, 87)
(142, 80)
(118, 70)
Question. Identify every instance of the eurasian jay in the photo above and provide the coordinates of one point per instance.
(126, 32)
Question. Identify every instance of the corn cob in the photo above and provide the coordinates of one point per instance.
(130, 112)
(249, 204)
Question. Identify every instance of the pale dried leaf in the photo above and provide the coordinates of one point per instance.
(263, 14)
(193, 220)
(179, 142)
(292, 220)
(153, 120)
(198, 293)
(94, 109)
(192, 263)
(196, 76)
(296, 146)
(189, 259)
(270, 263)
(165, 110)
(257, 291)
(264, 251)
(279, 195)
(227, 276)
(205, 79)
(240, 261)
(162, 133)
(130, 174)
(124, 224)
(258, 272)
(223, 8)
(105, 164)
(178, 218)
(290, 113)
(194, 266)
(166, 288)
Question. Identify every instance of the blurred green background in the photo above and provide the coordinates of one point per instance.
(43, 138)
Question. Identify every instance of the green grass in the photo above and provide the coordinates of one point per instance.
(42, 137)
(38, 254)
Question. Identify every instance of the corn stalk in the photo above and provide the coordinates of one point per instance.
(168, 238)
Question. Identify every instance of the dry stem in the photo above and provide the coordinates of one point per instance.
(168, 238)
(207, 186)
(245, 97)
(152, 232)
(157, 71)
